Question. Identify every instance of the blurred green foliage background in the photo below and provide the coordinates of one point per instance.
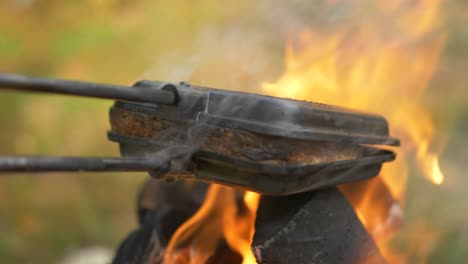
(228, 44)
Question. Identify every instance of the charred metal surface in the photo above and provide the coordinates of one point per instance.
(262, 177)
(233, 142)
(274, 146)
(270, 116)
(313, 227)
(138, 124)
(264, 162)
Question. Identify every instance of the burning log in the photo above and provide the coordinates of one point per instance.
(162, 208)
(313, 227)
(316, 226)
(378, 209)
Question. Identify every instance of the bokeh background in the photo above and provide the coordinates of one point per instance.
(225, 44)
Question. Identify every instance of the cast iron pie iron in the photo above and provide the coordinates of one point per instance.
(273, 146)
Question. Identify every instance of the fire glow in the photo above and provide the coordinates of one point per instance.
(218, 219)
(370, 69)
(384, 71)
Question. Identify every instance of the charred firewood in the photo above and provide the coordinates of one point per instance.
(158, 195)
(225, 255)
(162, 208)
(313, 227)
(376, 204)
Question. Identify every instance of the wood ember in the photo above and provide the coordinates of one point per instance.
(314, 227)
(232, 142)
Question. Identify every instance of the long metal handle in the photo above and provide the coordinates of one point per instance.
(62, 164)
(87, 89)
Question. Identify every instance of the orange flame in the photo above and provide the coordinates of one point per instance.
(382, 67)
(219, 218)
(242, 244)
(366, 69)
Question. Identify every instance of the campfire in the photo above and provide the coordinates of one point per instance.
(365, 69)
(286, 150)
(275, 177)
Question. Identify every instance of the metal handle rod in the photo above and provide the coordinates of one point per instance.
(87, 89)
(63, 164)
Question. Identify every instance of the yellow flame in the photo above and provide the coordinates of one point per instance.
(434, 172)
(251, 200)
(437, 175)
(367, 70)
(382, 67)
(218, 218)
